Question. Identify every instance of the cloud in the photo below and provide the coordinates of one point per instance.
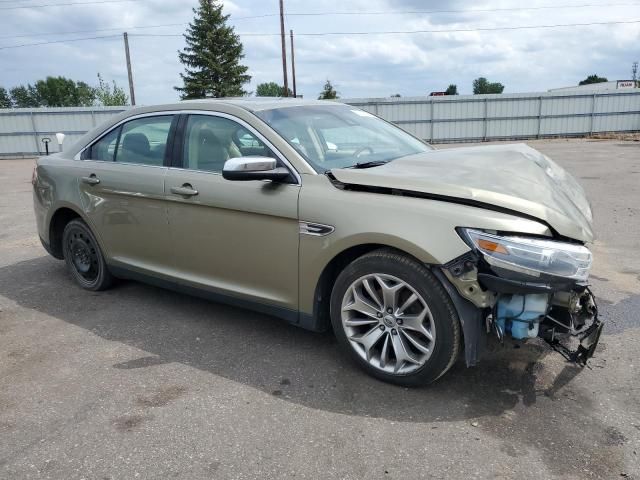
(360, 66)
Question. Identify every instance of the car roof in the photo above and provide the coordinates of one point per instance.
(255, 104)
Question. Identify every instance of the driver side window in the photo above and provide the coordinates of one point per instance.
(210, 141)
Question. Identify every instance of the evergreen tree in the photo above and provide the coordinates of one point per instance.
(328, 92)
(212, 56)
(451, 90)
(5, 99)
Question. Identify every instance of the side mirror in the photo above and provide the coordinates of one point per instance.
(253, 168)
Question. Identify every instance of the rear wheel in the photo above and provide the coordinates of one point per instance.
(393, 317)
(84, 258)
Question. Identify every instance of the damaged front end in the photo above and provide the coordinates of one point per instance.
(524, 287)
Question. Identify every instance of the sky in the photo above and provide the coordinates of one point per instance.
(374, 65)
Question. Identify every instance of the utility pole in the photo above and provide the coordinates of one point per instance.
(126, 51)
(293, 66)
(284, 51)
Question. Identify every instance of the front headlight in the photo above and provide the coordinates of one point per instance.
(532, 256)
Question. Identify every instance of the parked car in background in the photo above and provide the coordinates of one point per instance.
(327, 216)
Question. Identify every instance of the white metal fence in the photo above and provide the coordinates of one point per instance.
(509, 116)
(435, 119)
(23, 129)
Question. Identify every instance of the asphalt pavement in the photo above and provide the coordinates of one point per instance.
(140, 382)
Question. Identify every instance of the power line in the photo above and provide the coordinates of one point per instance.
(17, 7)
(75, 32)
(382, 12)
(403, 32)
(120, 28)
(59, 41)
(419, 12)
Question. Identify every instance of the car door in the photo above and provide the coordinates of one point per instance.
(121, 184)
(231, 237)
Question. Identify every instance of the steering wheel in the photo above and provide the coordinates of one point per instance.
(361, 150)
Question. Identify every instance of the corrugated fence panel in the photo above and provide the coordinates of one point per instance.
(513, 108)
(22, 130)
(439, 119)
(616, 123)
(557, 126)
(576, 105)
(420, 130)
(70, 122)
(458, 110)
(617, 103)
(512, 128)
(15, 123)
(18, 144)
(458, 130)
(510, 116)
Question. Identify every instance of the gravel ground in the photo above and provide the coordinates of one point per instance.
(139, 382)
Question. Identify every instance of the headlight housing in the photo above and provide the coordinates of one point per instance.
(531, 256)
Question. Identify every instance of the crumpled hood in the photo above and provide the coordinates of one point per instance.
(514, 177)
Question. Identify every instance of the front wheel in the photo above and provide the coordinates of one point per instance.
(84, 258)
(394, 318)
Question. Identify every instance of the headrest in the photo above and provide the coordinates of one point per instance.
(207, 137)
(137, 143)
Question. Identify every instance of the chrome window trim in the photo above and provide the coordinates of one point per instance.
(116, 125)
(127, 163)
(252, 130)
(228, 116)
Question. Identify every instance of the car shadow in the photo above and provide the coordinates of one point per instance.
(307, 368)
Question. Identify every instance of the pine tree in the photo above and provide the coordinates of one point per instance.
(212, 56)
(5, 99)
(328, 92)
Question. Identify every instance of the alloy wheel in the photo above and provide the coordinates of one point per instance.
(388, 323)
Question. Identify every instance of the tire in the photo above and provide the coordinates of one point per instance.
(84, 258)
(412, 345)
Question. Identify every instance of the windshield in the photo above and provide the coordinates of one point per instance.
(339, 136)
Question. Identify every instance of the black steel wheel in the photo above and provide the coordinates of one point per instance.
(84, 258)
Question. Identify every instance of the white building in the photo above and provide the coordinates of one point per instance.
(599, 87)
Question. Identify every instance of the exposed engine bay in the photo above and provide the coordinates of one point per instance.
(525, 303)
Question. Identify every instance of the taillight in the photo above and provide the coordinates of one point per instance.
(34, 175)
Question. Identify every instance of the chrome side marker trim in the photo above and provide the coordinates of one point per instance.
(316, 229)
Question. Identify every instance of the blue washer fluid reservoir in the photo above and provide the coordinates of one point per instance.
(520, 315)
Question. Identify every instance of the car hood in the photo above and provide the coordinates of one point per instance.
(514, 177)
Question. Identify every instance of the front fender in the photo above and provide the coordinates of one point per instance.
(423, 228)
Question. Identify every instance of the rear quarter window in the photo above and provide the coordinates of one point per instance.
(104, 149)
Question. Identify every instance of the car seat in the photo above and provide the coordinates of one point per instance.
(135, 149)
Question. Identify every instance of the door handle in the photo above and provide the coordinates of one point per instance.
(90, 180)
(185, 190)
